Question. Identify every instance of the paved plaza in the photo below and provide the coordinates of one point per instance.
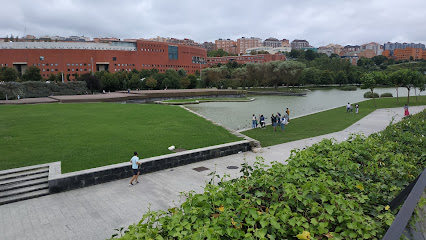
(94, 212)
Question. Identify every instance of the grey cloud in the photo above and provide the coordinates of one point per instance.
(319, 22)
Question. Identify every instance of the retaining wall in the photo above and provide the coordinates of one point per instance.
(80, 179)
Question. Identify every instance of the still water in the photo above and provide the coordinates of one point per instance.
(238, 115)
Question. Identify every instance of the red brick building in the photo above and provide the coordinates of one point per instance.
(84, 57)
(260, 58)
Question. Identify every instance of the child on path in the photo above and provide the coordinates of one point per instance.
(406, 113)
(135, 168)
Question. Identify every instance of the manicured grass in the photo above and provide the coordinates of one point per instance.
(325, 122)
(208, 99)
(89, 135)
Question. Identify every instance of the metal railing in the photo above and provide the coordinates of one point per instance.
(410, 196)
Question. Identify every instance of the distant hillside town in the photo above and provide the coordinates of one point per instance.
(76, 55)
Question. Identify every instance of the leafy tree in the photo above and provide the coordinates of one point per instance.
(192, 81)
(92, 82)
(379, 59)
(419, 83)
(290, 71)
(310, 55)
(295, 53)
(368, 82)
(171, 79)
(181, 72)
(52, 78)
(217, 53)
(8, 74)
(341, 78)
(410, 79)
(326, 77)
(241, 75)
(310, 76)
(151, 83)
(134, 82)
(32, 74)
(365, 63)
(184, 83)
(253, 52)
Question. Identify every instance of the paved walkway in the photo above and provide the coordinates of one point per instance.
(94, 212)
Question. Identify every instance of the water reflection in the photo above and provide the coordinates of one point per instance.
(237, 115)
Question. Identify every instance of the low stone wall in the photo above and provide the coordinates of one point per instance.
(80, 179)
(159, 99)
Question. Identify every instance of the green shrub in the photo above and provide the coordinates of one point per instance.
(386, 95)
(370, 95)
(34, 89)
(333, 190)
(11, 89)
(349, 88)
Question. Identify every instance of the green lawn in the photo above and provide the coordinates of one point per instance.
(89, 135)
(207, 99)
(325, 122)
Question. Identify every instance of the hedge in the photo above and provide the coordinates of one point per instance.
(329, 190)
(349, 88)
(386, 95)
(370, 95)
(33, 89)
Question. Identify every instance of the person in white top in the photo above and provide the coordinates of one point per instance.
(135, 168)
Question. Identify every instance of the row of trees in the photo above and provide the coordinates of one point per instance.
(274, 74)
(402, 78)
(144, 79)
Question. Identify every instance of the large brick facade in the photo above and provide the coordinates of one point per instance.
(79, 58)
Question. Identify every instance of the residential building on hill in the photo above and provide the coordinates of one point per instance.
(270, 50)
(299, 44)
(226, 45)
(243, 43)
(377, 48)
(406, 54)
(77, 58)
(272, 42)
(243, 59)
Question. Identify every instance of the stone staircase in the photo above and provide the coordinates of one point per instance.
(23, 183)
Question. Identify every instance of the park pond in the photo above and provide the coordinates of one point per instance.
(238, 115)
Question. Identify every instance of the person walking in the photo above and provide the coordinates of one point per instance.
(135, 168)
(253, 122)
(406, 113)
(356, 108)
(283, 122)
(274, 122)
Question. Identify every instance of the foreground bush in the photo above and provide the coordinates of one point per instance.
(370, 95)
(386, 95)
(330, 190)
(33, 89)
(349, 88)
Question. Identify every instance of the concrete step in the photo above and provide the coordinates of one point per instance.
(24, 178)
(23, 190)
(23, 173)
(22, 169)
(22, 184)
(24, 196)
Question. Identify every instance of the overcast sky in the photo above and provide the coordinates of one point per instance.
(319, 21)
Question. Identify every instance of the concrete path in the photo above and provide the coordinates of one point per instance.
(94, 212)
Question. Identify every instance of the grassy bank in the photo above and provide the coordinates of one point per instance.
(325, 122)
(84, 136)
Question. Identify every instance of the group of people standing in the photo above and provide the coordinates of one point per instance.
(349, 108)
(276, 120)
